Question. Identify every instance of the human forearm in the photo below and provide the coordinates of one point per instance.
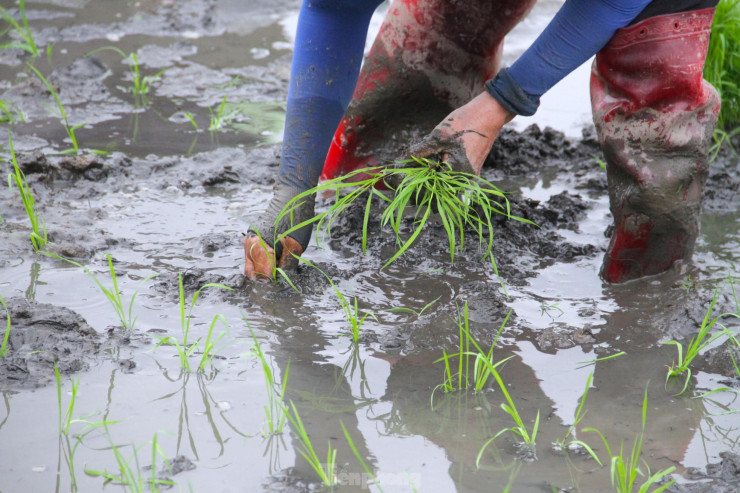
(577, 32)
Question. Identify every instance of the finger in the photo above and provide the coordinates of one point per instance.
(291, 248)
(248, 264)
(425, 149)
(259, 259)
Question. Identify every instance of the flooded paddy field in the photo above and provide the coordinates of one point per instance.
(171, 195)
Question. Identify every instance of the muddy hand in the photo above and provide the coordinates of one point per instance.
(466, 136)
(260, 257)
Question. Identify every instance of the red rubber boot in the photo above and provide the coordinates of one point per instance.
(430, 57)
(654, 115)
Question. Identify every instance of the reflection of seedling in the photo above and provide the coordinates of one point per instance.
(325, 470)
(184, 348)
(141, 85)
(127, 318)
(725, 389)
(625, 470)
(62, 113)
(403, 309)
(4, 346)
(38, 238)
(130, 473)
(597, 360)
(545, 308)
(351, 311)
(482, 364)
(700, 341)
(65, 421)
(275, 411)
(28, 44)
(580, 413)
(65, 418)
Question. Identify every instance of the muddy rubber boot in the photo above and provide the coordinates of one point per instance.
(428, 58)
(654, 115)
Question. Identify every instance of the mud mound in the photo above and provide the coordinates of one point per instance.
(42, 335)
(724, 475)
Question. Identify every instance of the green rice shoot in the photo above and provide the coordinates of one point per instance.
(703, 338)
(6, 337)
(21, 29)
(627, 469)
(126, 317)
(325, 469)
(276, 412)
(462, 201)
(184, 347)
(141, 85)
(722, 67)
(38, 236)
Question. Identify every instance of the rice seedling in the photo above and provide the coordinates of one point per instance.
(4, 345)
(10, 115)
(185, 349)
(626, 469)
(325, 470)
(519, 429)
(721, 137)
(21, 29)
(276, 411)
(351, 310)
(697, 344)
(191, 119)
(70, 451)
(38, 237)
(722, 67)
(130, 473)
(70, 129)
(220, 117)
(361, 459)
(141, 85)
(462, 201)
(599, 161)
(482, 360)
(570, 436)
(126, 317)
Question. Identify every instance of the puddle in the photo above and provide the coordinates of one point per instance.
(171, 198)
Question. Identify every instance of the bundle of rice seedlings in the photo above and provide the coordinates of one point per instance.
(464, 202)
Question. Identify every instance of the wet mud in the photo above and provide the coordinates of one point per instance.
(170, 199)
(45, 336)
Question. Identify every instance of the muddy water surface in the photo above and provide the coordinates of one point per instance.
(172, 197)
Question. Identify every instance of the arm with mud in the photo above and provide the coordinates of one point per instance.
(577, 32)
(326, 62)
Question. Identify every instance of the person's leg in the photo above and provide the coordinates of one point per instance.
(430, 56)
(654, 115)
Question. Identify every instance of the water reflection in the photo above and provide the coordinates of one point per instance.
(213, 410)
